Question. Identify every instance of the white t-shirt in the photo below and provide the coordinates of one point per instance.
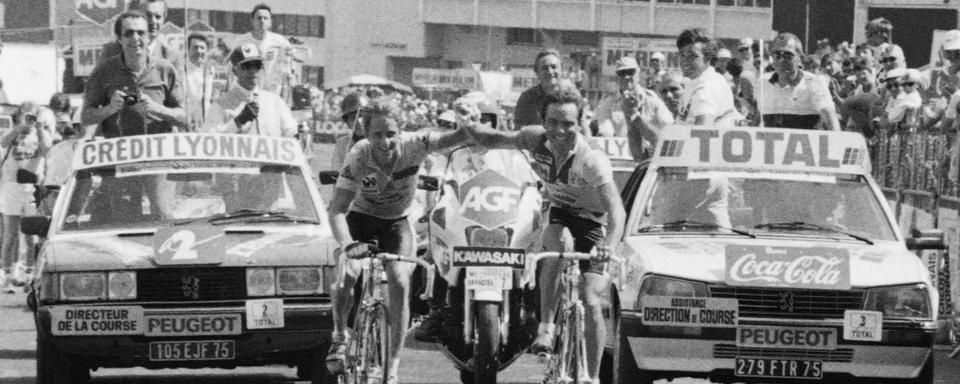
(708, 94)
(276, 58)
(897, 108)
(808, 97)
(274, 118)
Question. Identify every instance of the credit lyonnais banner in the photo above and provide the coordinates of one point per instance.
(187, 146)
(776, 149)
(794, 267)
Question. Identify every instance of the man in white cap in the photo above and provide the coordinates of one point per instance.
(655, 72)
(720, 62)
(635, 112)
(247, 107)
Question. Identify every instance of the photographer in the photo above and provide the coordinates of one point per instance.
(23, 149)
(133, 93)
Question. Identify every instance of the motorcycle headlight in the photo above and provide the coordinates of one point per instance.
(899, 301)
(122, 285)
(667, 286)
(83, 286)
(482, 237)
(299, 281)
(261, 282)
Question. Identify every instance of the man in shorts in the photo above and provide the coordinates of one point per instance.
(583, 199)
(370, 203)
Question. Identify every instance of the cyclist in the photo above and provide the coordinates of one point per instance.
(370, 202)
(583, 198)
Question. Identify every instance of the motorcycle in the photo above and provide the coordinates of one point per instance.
(485, 220)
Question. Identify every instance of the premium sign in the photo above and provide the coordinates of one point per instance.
(763, 148)
(616, 148)
(183, 146)
(786, 337)
(489, 199)
(488, 257)
(193, 325)
(795, 267)
(690, 311)
(103, 320)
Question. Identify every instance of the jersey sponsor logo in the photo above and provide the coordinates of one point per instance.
(488, 257)
(795, 267)
(489, 199)
(183, 146)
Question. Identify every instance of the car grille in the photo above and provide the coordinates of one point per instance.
(191, 284)
(728, 351)
(774, 303)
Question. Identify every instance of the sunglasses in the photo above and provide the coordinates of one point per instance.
(888, 60)
(627, 72)
(251, 65)
(952, 53)
(893, 85)
(667, 90)
(743, 49)
(785, 55)
(133, 32)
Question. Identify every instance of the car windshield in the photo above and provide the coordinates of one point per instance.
(157, 193)
(763, 203)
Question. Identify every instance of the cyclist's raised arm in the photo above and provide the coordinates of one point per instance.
(485, 136)
(449, 139)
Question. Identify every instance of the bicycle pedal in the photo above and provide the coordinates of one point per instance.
(544, 358)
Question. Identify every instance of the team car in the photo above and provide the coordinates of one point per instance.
(767, 255)
(184, 250)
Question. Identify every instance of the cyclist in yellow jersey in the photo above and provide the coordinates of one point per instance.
(583, 198)
(370, 202)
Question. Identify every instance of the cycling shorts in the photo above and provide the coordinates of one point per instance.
(392, 235)
(586, 235)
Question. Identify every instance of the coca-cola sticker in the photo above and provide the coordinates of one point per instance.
(793, 267)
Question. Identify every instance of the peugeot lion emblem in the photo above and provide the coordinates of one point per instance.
(786, 301)
(190, 287)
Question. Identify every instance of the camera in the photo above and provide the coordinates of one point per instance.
(131, 99)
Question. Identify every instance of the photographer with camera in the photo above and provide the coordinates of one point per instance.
(133, 93)
(21, 149)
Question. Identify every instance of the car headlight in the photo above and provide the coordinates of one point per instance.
(83, 286)
(667, 286)
(261, 282)
(49, 287)
(122, 285)
(899, 301)
(299, 281)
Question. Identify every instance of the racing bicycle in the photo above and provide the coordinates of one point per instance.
(568, 362)
(368, 352)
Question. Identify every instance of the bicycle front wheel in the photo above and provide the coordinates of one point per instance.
(568, 360)
(368, 354)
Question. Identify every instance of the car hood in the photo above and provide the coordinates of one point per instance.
(706, 258)
(244, 246)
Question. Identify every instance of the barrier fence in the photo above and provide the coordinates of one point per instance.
(918, 174)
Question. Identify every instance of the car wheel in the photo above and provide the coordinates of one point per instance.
(314, 369)
(55, 367)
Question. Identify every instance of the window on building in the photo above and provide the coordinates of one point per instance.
(579, 38)
(763, 3)
(242, 23)
(175, 16)
(518, 36)
(218, 20)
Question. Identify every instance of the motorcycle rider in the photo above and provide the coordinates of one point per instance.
(583, 198)
(370, 202)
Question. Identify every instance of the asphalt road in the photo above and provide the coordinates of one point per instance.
(421, 364)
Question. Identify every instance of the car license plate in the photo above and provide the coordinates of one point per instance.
(489, 278)
(192, 350)
(782, 368)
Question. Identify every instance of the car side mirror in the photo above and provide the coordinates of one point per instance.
(328, 177)
(428, 183)
(26, 177)
(35, 225)
(922, 239)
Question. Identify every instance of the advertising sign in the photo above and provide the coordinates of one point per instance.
(446, 78)
(690, 311)
(640, 48)
(86, 52)
(794, 267)
(99, 11)
(489, 199)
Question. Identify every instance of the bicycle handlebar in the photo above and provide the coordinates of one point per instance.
(530, 273)
(376, 253)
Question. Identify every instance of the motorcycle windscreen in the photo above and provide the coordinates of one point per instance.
(490, 199)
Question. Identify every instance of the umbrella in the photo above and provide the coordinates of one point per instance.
(366, 79)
